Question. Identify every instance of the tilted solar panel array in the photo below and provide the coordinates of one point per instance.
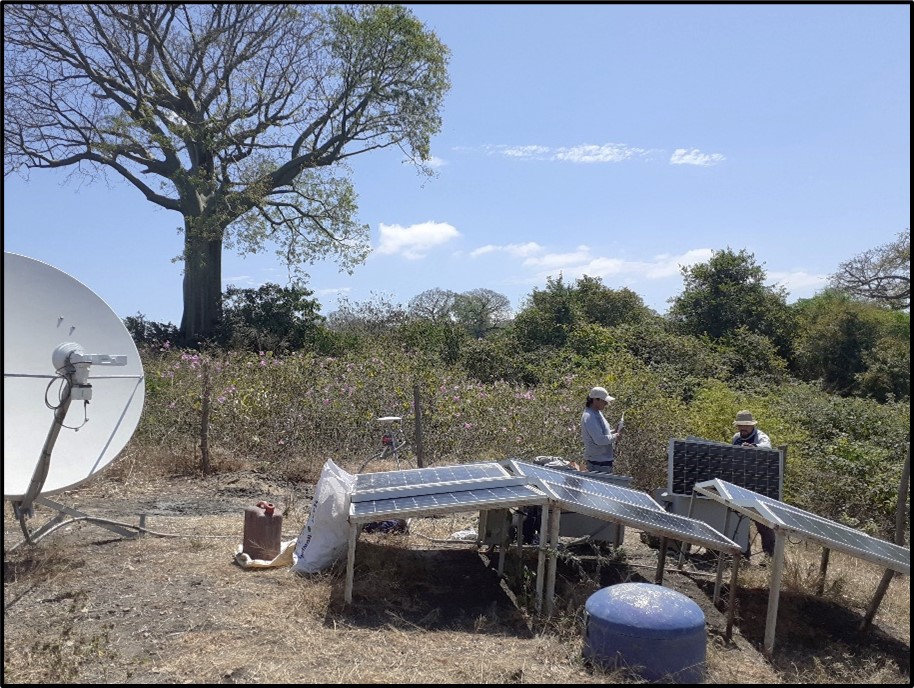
(576, 492)
(828, 533)
(693, 461)
(423, 476)
(438, 489)
(463, 500)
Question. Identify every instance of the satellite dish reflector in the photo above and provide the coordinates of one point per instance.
(54, 326)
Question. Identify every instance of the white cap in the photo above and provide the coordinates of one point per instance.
(599, 393)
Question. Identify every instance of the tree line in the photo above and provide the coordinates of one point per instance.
(852, 338)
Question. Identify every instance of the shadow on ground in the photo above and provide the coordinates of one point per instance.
(454, 589)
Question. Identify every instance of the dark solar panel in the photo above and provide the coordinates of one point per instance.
(694, 460)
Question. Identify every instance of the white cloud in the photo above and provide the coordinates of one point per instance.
(681, 156)
(435, 162)
(241, 281)
(332, 292)
(799, 284)
(609, 152)
(517, 250)
(574, 265)
(666, 265)
(415, 241)
(557, 260)
(541, 152)
(589, 153)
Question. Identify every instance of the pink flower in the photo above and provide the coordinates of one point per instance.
(467, 426)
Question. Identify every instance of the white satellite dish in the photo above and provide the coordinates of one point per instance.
(61, 342)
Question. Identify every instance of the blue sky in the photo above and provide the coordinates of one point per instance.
(617, 141)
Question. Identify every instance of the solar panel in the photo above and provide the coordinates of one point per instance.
(695, 460)
(652, 520)
(422, 476)
(579, 481)
(577, 492)
(810, 526)
(463, 500)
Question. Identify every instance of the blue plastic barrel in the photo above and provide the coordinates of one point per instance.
(657, 633)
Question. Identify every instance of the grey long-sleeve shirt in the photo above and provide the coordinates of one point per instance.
(597, 437)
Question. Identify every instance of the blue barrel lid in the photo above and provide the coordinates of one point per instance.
(644, 610)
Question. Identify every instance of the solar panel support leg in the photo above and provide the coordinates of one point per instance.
(774, 585)
(823, 568)
(552, 543)
(876, 601)
(350, 561)
(661, 561)
(731, 601)
(541, 558)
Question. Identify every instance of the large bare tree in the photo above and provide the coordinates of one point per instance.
(240, 117)
(881, 275)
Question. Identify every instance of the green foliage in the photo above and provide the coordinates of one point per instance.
(751, 358)
(498, 359)
(845, 455)
(601, 305)
(149, 333)
(269, 318)
(681, 363)
(438, 340)
(290, 413)
(728, 292)
(481, 311)
(853, 347)
(548, 317)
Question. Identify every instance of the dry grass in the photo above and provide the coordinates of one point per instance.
(85, 606)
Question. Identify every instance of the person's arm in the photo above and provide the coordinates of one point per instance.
(764, 442)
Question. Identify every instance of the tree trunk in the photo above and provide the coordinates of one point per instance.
(202, 286)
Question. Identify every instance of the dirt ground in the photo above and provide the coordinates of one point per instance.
(84, 605)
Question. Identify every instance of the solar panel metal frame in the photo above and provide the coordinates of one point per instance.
(632, 510)
(807, 525)
(696, 460)
(403, 491)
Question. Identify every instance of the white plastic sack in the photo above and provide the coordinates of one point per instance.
(325, 537)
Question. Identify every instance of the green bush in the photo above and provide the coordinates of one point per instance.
(289, 414)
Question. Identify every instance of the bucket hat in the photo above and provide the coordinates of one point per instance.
(744, 418)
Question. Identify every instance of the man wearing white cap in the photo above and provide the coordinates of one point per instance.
(596, 434)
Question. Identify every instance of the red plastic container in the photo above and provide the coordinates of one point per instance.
(262, 531)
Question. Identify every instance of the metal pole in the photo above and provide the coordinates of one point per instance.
(350, 561)
(774, 588)
(541, 557)
(420, 449)
(553, 543)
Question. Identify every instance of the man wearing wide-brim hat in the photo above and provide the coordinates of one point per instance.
(750, 436)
